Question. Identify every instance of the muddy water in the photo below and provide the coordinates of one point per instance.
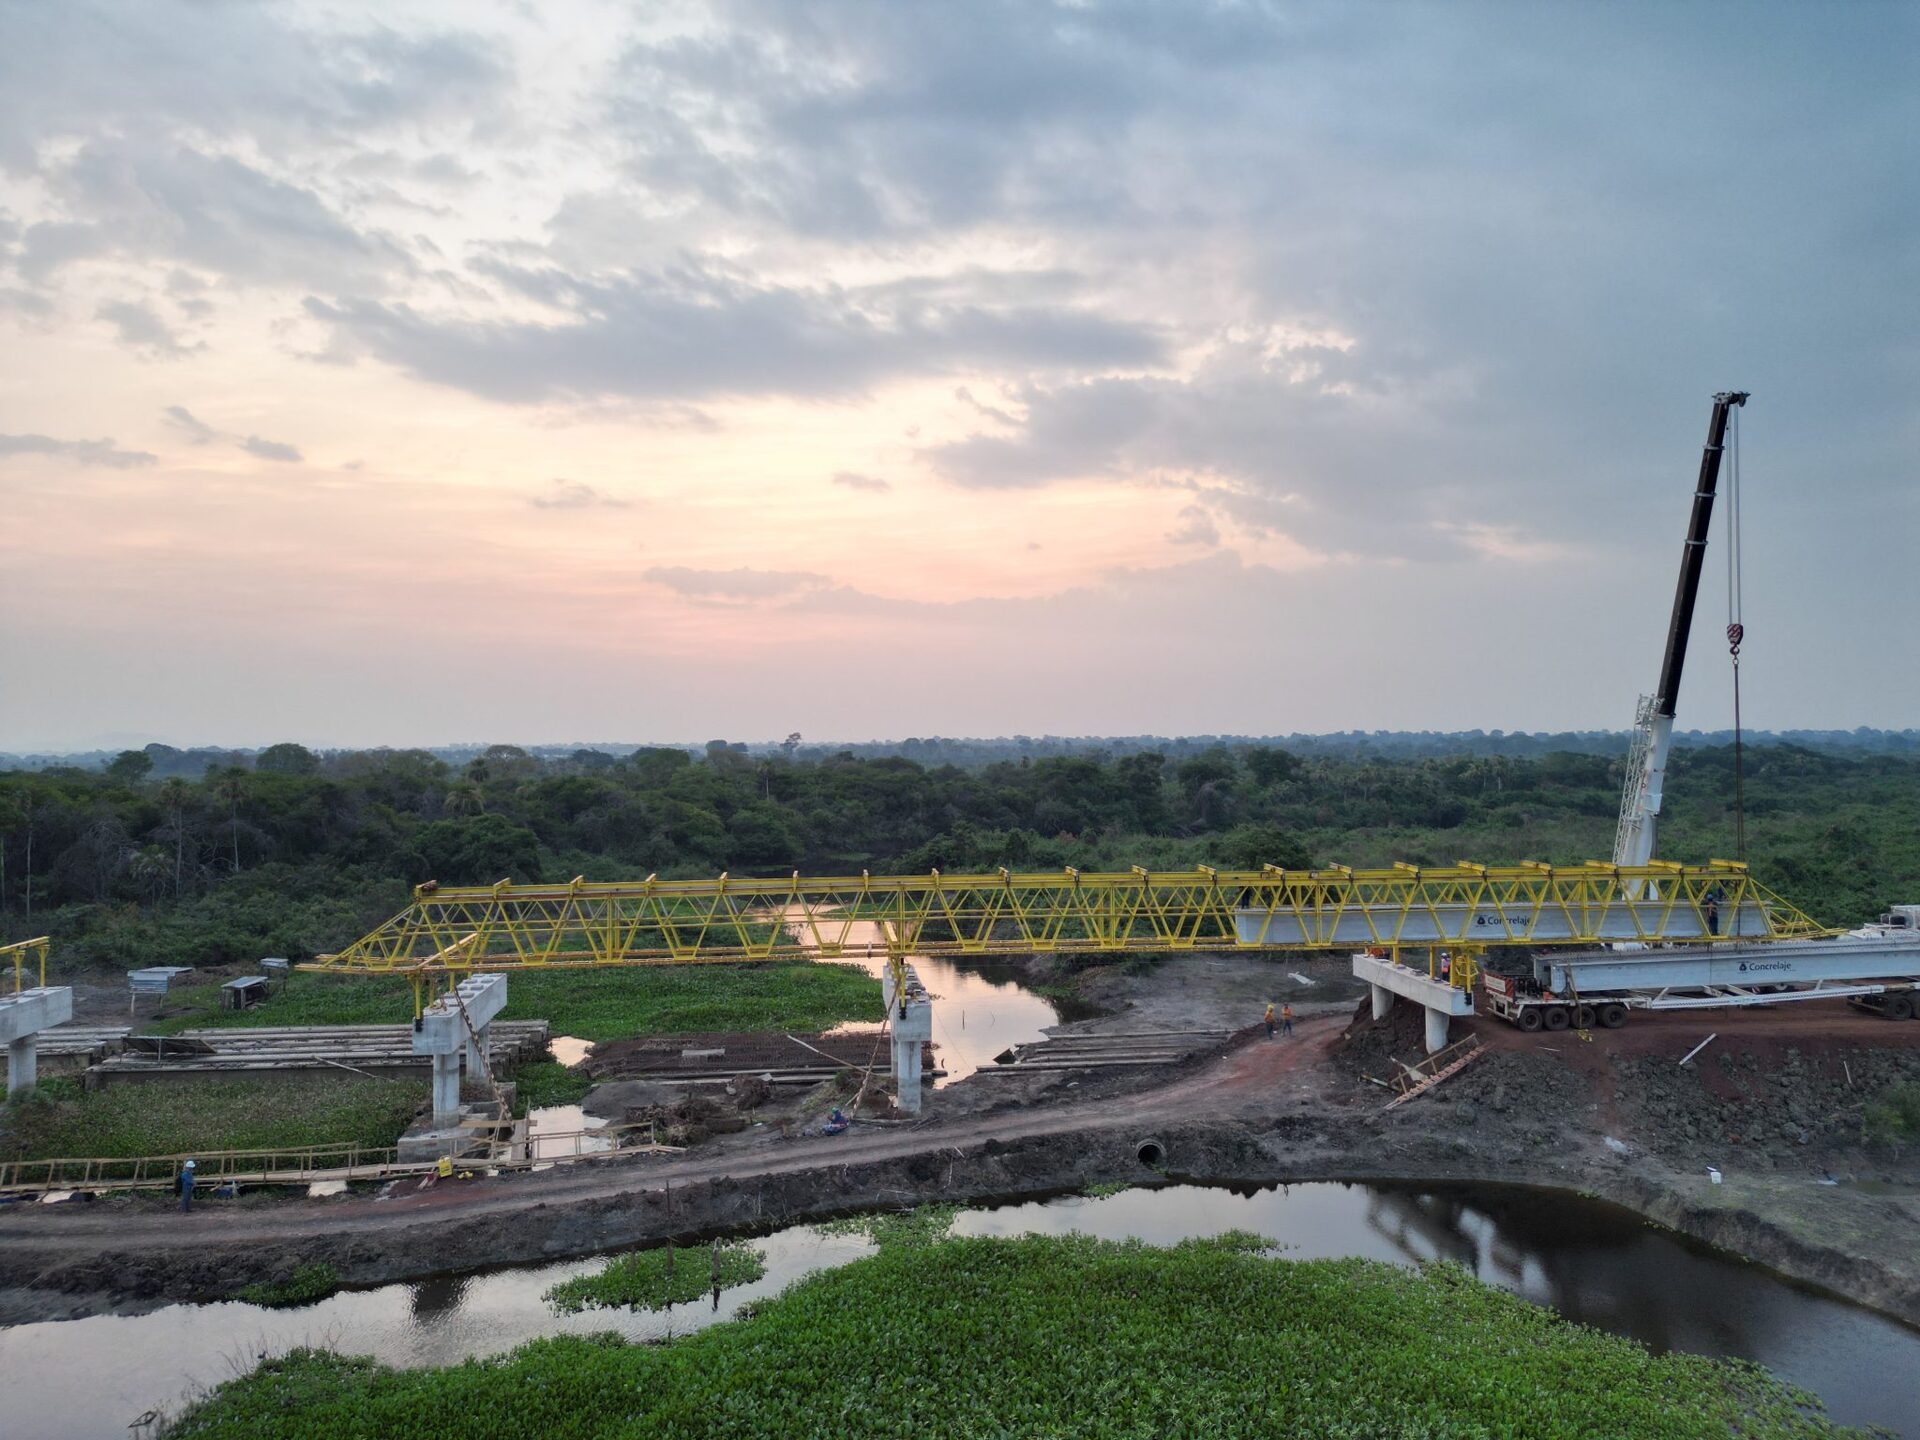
(978, 1011)
(1593, 1263)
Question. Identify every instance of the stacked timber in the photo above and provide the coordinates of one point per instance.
(1126, 1050)
(715, 1059)
(70, 1049)
(383, 1050)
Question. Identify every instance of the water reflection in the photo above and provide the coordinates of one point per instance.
(1592, 1263)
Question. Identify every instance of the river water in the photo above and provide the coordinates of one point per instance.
(69, 1379)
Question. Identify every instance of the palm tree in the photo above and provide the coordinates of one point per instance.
(230, 787)
(174, 793)
(464, 798)
(148, 866)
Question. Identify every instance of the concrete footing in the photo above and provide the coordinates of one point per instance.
(911, 1018)
(23, 1015)
(1442, 1001)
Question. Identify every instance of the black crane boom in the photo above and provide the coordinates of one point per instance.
(1694, 556)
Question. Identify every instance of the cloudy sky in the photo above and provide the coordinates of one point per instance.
(536, 372)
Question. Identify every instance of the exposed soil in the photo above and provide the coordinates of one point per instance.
(1775, 1103)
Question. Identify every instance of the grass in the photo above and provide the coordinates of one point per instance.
(1894, 1119)
(591, 1004)
(651, 1279)
(1053, 1335)
(265, 1113)
(308, 1284)
(548, 1082)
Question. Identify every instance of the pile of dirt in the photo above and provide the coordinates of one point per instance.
(1369, 1047)
(691, 1118)
(1799, 1106)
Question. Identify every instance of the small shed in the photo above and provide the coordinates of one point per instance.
(244, 993)
(153, 980)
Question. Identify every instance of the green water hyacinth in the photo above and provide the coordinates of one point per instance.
(653, 1279)
(987, 1339)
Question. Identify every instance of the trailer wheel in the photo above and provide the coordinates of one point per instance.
(1585, 1018)
(1557, 1017)
(1897, 1007)
(1529, 1018)
(1613, 1015)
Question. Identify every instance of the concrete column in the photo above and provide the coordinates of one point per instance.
(1437, 1021)
(23, 1064)
(1382, 1001)
(911, 1018)
(479, 1056)
(446, 1089)
(22, 1017)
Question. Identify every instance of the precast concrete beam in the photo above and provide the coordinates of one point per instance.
(23, 1016)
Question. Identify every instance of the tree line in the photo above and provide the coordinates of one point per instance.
(299, 852)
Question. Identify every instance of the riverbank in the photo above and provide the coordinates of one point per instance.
(1261, 1113)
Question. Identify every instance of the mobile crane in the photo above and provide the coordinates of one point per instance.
(1876, 967)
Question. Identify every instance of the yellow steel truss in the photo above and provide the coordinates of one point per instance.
(18, 953)
(677, 922)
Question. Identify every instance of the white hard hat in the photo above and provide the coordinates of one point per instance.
(188, 1165)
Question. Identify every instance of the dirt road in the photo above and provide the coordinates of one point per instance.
(1614, 1116)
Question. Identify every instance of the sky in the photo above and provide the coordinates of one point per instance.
(395, 375)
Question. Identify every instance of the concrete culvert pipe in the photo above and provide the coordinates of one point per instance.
(1151, 1154)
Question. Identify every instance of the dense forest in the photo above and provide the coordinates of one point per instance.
(295, 853)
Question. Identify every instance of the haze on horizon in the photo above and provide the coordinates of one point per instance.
(383, 375)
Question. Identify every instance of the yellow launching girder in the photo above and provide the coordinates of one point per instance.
(677, 922)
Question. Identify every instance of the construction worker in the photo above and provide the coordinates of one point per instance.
(186, 1187)
(1712, 908)
(1286, 1019)
(1267, 1020)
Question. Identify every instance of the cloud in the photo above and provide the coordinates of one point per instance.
(141, 330)
(198, 432)
(1196, 527)
(696, 333)
(142, 199)
(739, 584)
(270, 450)
(84, 452)
(574, 495)
(855, 481)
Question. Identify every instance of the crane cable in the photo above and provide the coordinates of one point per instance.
(1736, 631)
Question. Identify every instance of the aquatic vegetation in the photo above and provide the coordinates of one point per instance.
(1054, 1335)
(651, 1279)
(306, 1285)
(920, 1226)
(1101, 1189)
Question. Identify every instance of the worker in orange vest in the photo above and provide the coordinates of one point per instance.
(1286, 1018)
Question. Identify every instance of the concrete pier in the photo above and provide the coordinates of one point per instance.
(442, 1033)
(23, 1016)
(1440, 999)
(911, 1018)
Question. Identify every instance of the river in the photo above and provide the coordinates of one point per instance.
(1595, 1263)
